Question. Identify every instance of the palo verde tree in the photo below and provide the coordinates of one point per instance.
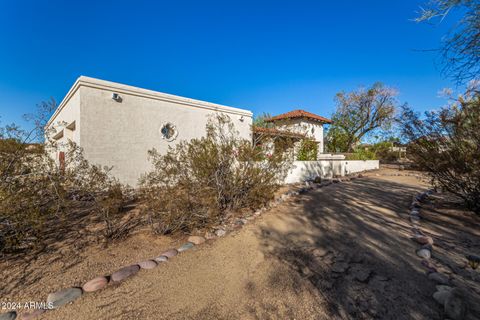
(360, 113)
(460, 48)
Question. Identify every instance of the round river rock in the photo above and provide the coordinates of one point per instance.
(64, 296)
(185, 247)
(31, 315)
(439, 278)
(424, 253)
(147, 264)
(170, 253)
(161, 259)
(196, 240)
(424, 239)
(125, 272)
(11, 315)
(95, 284)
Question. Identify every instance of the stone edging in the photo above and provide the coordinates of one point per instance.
(446, 295)
(67, 295)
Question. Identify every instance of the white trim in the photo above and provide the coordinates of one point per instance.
(130, 90)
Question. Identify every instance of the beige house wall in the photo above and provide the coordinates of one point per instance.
(119, 133)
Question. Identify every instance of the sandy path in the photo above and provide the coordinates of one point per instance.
(364, 266)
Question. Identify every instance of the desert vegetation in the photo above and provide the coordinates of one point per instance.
(42, 202)
(361, 114)
(446, 144)
(200, 182)
(195, 184)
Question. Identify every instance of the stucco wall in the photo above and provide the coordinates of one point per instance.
(70, 114)
(353, 166)
(308, 170)
(119, 134)
(313, 129)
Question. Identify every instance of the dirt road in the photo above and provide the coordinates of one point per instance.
(339, 252)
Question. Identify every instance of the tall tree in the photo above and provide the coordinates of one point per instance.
(460, 49)
(360, 113)
(260, 121)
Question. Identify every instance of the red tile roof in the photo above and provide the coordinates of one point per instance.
(276, 132)
(299, 114)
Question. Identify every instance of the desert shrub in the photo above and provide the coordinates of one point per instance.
(198, 182)
(446, 144)
(41, 202)
(384, 153)
(308, 150)
(361, 154)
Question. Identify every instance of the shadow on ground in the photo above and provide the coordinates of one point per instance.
(350, 242)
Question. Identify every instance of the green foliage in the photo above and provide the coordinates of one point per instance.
(360, 113)
(308, 150)
(383, 151)
(259, 121)
(336, 140)
(198, 182)
(446, 144)
(361, 154)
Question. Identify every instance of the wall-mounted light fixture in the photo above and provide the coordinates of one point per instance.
(116, 97)
(242, 119)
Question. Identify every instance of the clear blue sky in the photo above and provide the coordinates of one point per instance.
(267, 56)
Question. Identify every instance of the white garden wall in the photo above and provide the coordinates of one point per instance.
(353, 166)
(308, 170)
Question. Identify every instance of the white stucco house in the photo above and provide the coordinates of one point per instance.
(117, 124)
(302, 122)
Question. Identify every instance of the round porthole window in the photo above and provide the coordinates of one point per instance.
(169, 132)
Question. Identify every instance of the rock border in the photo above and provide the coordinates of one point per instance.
(68, 295)
(454, 306)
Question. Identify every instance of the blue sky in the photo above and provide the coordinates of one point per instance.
(266, 56)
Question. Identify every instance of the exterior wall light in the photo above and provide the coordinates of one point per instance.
(116, 97)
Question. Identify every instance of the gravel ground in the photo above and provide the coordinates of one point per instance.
(339, 252)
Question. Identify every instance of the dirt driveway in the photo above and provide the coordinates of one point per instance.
(339, 252)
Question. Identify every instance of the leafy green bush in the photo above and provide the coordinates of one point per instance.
(383, 152)
(361, 154)
(308, 150)
(198, 182)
